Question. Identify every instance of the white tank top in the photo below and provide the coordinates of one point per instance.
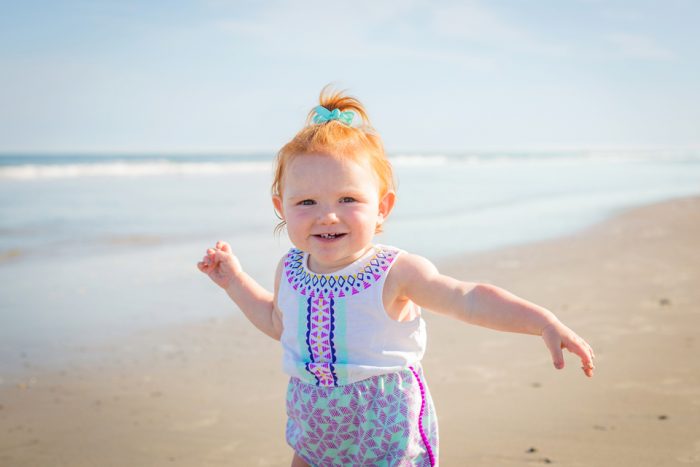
(336, 330)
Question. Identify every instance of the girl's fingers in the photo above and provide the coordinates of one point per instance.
(554, 345)
(585, 353)
(223, 246)
(588, 368)
(557, 338)
(219, 257)
(579, 349)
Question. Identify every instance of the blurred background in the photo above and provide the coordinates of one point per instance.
(134, 135)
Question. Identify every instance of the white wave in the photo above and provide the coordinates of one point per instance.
(157, 167)
(549, 158)
(129, 169)
(495, 159)
(414, 160)
(669, 155)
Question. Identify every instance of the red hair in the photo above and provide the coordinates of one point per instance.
(336, 139)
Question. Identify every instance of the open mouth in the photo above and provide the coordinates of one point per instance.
(330, 236)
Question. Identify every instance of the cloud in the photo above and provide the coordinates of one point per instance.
(316, 28)
(430, 32)
(359, 30)
(472, 22)
(638, 46)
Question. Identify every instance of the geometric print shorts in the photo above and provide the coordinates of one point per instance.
(386, 420)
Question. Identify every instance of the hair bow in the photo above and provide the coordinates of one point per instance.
(324, 115)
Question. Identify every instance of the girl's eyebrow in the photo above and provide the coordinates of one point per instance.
(300, 196)
(352, 192)
(355, 191)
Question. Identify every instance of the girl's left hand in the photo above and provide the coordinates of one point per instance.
(557, 337)
(221, 265)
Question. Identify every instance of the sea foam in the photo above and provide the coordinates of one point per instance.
(128, 169)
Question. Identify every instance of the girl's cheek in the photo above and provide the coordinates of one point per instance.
(297, 219)
(298, 215)
(361, 215)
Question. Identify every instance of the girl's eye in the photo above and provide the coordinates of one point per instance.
(347, 199)
(307, 202)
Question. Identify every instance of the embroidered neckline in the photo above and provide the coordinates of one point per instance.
(354, 266)
(337, 285)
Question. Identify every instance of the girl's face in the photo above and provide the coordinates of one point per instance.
(332, 208)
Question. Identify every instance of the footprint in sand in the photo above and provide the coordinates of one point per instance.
(544, 460)
(208, 419)
(604, 427)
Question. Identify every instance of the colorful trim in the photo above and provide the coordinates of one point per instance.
(331, 285)
(320, 327)
(420, 417)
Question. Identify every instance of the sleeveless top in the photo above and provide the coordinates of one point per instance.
(336, 330)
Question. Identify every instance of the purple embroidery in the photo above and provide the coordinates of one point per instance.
(420, 417)
(320, 326)
(310, 285)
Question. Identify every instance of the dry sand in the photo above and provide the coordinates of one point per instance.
(212, 393)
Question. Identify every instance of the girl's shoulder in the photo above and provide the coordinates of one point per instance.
(279, 271)
(409, 269)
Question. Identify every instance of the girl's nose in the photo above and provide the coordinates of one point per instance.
(328, 217)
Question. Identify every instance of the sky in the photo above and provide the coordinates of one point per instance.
(240, 76)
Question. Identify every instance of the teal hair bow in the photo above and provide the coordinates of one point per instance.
(324, 115)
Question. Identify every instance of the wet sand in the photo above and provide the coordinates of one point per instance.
(212, 393)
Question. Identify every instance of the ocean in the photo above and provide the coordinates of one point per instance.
(93, 247)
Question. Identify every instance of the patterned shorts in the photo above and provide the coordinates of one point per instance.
(386, 420)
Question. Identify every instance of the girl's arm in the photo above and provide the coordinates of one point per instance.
(417, 279)
(256, 303)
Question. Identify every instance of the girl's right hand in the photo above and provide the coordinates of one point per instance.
(220, 265)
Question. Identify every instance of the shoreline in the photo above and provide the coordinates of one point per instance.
(212, 392)
(48, 352)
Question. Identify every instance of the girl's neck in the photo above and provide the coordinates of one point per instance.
(314, 267)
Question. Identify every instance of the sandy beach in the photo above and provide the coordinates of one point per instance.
(212, 393)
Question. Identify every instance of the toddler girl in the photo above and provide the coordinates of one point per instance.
(348, 311)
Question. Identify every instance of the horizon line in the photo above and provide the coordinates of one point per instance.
(390, 152)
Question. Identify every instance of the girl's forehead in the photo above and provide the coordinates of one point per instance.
(313, 170)
(310, 163)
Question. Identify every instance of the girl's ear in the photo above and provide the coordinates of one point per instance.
(386, 204)
(277, 203)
